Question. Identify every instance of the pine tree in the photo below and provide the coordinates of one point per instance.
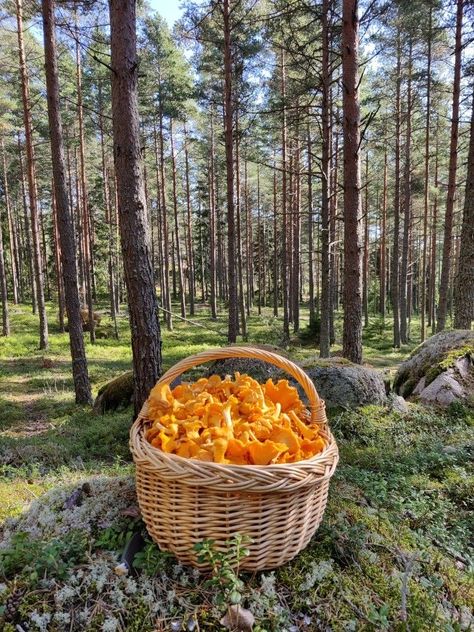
(134, 230)
(64, 219)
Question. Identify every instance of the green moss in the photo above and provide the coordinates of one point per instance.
(448, 361)
(325, 362)
(453, 355)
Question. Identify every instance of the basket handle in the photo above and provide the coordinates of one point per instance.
(316, 405)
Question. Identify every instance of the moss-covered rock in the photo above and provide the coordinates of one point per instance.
(115, 395)
(442, 363)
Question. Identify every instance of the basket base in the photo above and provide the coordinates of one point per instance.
(280, 525)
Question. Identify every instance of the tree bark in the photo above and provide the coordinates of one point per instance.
(11, 231)
(325, 338)
(284, 256)
(29, 252)
(395, 267)
(31, 171)
(275, 242)
(334, 234)
(295, 244)
(189, 231)
(453, 162)
(229, 153)
(312, 307)
(434, 229)
(383, 239)
(404, 311)
(426, 200)
(182, 290)
(238, 205)
(84, 201)
(164, 221)
(352, 328)
(64, 217)
(160, 231)
(249, 240)
(3, 288)
(108, 216)
(57, 260)
(464, 281)
(134, 230)
(212, 226)
(365, 263)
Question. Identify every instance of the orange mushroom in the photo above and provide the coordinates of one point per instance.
(232, 420)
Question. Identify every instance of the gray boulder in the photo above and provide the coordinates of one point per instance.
(257, 369)
(439, 371)
(443, 390)
(345, 385)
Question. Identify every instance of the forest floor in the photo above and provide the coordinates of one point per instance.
(392, 552)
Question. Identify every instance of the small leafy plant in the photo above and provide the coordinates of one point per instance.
(36, 559)
(224, 582)
(150, 560)
(114, 538)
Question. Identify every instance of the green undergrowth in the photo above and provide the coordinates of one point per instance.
(392, 552)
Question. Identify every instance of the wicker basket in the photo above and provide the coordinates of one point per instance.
(184, 501)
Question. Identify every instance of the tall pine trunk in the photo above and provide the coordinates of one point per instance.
(325, 338)
(182, 290)
(3, 288)
(189, 229)
(164, 222)
(64, 219)
(434, 229)
(383, 240)
(240, 264)
(108, 217)
(84, 201)
(312, 306)
(426, 199)
(229, 156)
(29, 252)
(31, 172)
(453, 163)
(275, 244)
(395, 267)
(352, 328)
(57, 260)
(212, 226)
(365, 261)
(11, 231)
(134, 229)
(284, 203)
(404, 311)
(464, 281)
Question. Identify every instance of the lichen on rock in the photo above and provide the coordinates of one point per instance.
(440, 370)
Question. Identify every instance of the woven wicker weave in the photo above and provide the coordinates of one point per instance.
(185, 501)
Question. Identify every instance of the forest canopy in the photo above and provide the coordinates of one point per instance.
(286, 243)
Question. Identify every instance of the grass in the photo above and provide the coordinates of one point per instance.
(391, 554)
